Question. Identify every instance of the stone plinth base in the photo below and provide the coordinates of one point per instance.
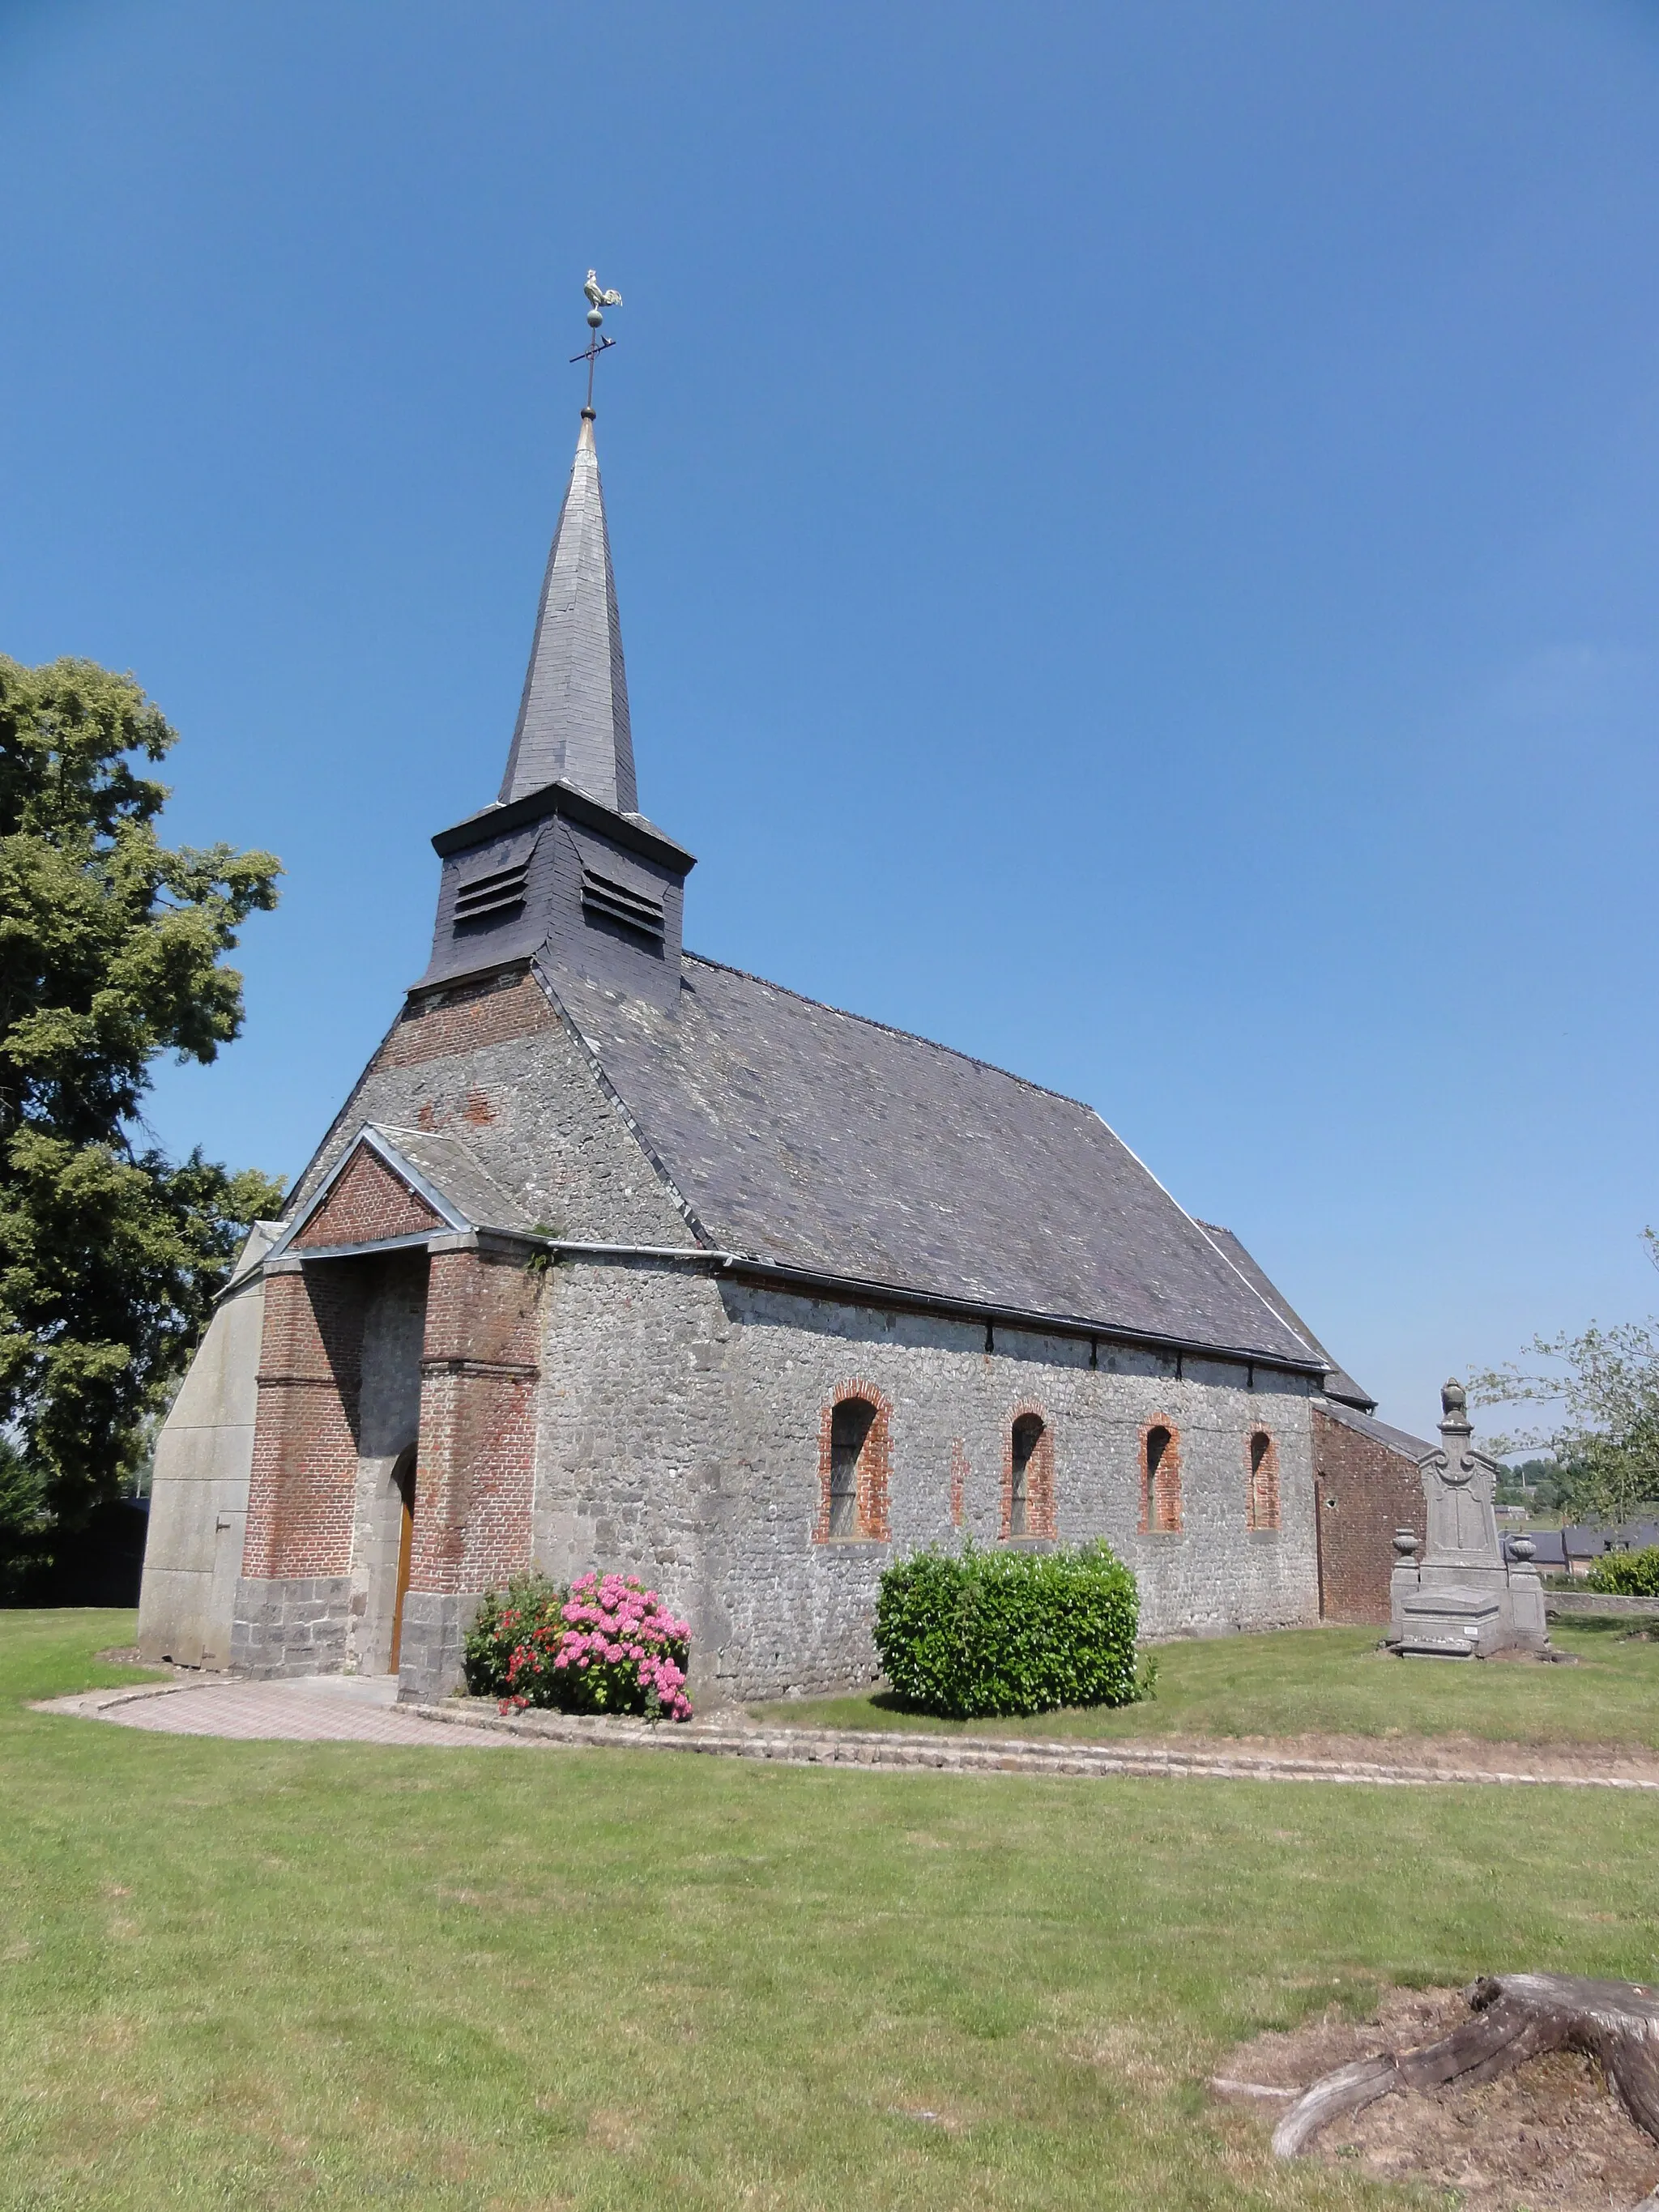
(1449, 1613)
(296, 1625)
(434, 1634)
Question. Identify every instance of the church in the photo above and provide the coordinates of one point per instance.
(617, 1257)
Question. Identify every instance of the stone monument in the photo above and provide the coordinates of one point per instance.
(1463, 1599)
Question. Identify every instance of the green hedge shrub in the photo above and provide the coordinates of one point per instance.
(1626, 1574)
(978, 1634)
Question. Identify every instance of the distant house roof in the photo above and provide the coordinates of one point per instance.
(816, 1139)
(1338, 1383)
(1548, 1551)
(1589, 1541)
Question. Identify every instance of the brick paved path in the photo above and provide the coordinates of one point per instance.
(334, 1708)
(315, 1709)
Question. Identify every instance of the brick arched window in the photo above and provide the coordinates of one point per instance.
(960, 1471)
(853, 1465)
(1262, 1492)
(1027, 1474)
(1160, 1478)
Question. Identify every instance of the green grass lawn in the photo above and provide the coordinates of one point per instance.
(1332, 1682)
(273, 1975)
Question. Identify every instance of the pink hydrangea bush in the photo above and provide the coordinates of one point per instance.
(607, 1645)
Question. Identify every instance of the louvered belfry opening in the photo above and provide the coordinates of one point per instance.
(562, 869)
(610, 898)
(495, 894)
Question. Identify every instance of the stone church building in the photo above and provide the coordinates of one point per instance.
(617, 1257)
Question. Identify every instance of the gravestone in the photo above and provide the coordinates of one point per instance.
(1463, 1599)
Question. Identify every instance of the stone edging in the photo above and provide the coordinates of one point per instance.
(976, 1754)
(1571, 1604)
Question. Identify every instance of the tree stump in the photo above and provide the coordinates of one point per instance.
(1516, 2017)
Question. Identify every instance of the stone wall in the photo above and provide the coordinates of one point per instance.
(198, 1494)
(682, 1426)
(493, 1065)
(296, 1625)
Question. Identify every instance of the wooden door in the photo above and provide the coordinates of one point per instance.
(403, 1476)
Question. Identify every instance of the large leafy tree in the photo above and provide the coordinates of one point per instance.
(111, 954)
(1603, 1386)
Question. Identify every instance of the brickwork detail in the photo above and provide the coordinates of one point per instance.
(303, 1487)
(1261, 1480)
(960, 1472)
(475, 1483)
(1039, 1473)
(1363, 1491)
(1160, 1478)
(875, 1466)
(366, 1203)
(492, 1012)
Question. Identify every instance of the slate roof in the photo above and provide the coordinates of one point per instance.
(1338, 1383)
(1586, 1540)
(438, 1167)
(1415, 1448)
(445, 1165)
(573, 718)
(817, 1139)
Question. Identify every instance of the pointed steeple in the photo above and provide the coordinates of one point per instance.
(573, 720)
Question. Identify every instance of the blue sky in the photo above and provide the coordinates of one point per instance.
(1135, 527)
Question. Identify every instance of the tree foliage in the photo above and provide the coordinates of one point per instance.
(111, 950)
(1606, 1436)
(1627, 1574)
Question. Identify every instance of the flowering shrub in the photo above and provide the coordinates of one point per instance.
(605, 1646)
(505, 1619)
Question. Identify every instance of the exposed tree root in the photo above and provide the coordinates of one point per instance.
(1516, 2017)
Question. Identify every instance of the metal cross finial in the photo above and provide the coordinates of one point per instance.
(597, 300)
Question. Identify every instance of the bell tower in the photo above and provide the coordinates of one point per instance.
(562, 866)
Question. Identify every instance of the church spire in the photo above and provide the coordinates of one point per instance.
(572, 719)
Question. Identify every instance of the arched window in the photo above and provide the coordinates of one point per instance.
(849, 1432)
(1262, 1496)
(1160, 1480)
(1028, 1476)
(1028, 1435)
(852, 1466)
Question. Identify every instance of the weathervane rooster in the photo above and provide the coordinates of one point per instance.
(597, 300)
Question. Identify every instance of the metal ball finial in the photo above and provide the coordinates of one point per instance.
(597, 300)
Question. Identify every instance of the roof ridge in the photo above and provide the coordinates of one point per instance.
(891, 1029)
(1281, 1313)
